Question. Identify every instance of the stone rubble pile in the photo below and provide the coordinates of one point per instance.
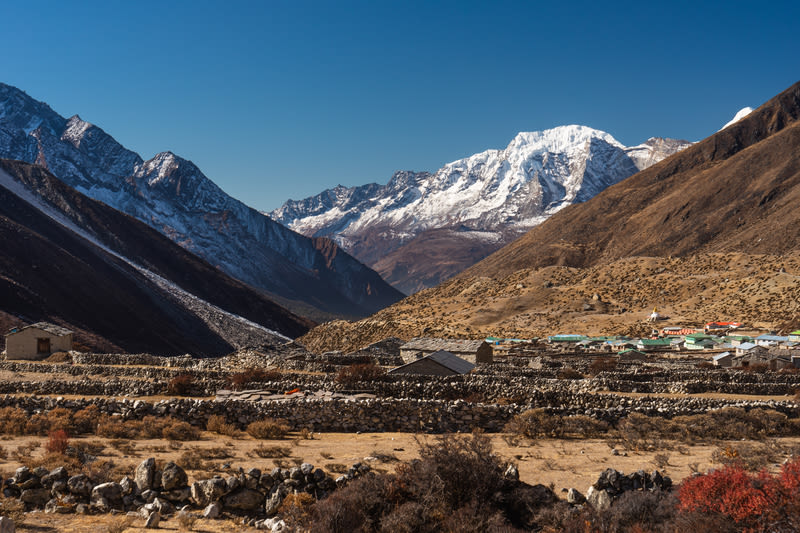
(612, 484)
(155, 493)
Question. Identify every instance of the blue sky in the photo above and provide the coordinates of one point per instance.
(276, 100)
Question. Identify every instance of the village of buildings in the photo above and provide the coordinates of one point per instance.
(721, 344)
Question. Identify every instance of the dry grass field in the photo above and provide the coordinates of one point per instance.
(560, 464)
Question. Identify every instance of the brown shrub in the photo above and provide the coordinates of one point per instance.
(186, 520)
(85, 420)
(218, 424)
(181, 431)
(271, 452)
(114, 428)
(581, 426)
(536, 423)
(268, 428)
(13, 420)
(569, 373)
(602, 364)
(296, 508)
(359, 373)
(180, 385)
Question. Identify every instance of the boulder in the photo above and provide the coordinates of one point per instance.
(57, 474)
(37, 497)
(274, 500)
(598, 498)
(111, 493)
(7, 525)
(180, 495)
(173, 477)
(212, 510)
(80, 485)
(128, 486)
(152, 520)
(22, 474)
(59, 507)
(145, 475)
(208, 490)
(574, 497)
(244, 500)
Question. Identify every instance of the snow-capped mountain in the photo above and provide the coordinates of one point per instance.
(310, 276)
(491, 197)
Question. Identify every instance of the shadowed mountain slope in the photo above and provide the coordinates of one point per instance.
(68, 259)
(172, 195)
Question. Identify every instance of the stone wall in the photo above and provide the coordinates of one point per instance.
(386, 414)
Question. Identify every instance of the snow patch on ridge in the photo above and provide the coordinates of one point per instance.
(738, 116)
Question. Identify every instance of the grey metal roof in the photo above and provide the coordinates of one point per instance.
(49, 328)
(429, 344)
(453, 362)
(444, 358)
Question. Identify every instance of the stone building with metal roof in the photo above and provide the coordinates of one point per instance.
(441, 363)
(476, 352)
(37, 341)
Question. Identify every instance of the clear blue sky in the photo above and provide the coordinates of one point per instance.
(282, 99)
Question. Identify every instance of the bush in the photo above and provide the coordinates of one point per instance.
(13, 420)
(758, 502)
(268, 428)
(536, 423)
(602, 364)
(57, 442)
(180, 385)
(359, 373)
(218, 424)
(569, 373)
(295, 509)
(180, 431)
(239, 380)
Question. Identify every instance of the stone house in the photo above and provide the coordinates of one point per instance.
(37, 341)
(725, 359)
(476, 352)
(441, 363)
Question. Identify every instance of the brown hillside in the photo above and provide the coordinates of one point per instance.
(734, 191)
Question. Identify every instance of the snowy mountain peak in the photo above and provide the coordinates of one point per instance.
(75, 130)
(497, 194)
(560, 139)
(743, 112)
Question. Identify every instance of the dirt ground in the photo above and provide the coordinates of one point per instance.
(559, 463)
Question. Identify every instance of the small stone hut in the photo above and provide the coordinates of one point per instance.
(476, 352)
(37, 341)
(441, 363)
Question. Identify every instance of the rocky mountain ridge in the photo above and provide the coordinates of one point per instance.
(485, 201)
(118, 283)
(173, 196)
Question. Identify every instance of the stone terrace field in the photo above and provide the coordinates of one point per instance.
(562, 423)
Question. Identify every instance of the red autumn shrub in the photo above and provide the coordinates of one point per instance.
(755, 501)
(57, 441)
